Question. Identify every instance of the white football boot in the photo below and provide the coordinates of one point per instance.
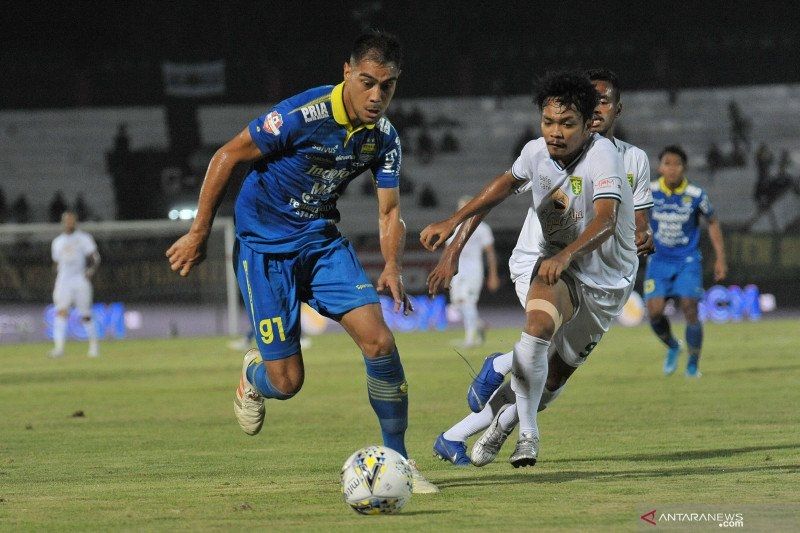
(420, 485)
(486, 448)
(248, 404)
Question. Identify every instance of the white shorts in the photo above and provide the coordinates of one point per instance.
(465, 289)
(73, 292)
(595, 310)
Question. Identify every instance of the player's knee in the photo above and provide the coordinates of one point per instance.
(540, 324)
(63, 313)
(689, 312)
(287, 385)
(379, 343)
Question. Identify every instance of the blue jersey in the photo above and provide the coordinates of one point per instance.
(311, 153)
(675, 219)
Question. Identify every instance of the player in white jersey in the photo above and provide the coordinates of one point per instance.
(585, 207)
(76, 259)
(466, 285)
(526, 253)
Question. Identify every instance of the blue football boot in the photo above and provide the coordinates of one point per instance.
(452, 451)
(692, 367)
(484, 384)
(671, 360)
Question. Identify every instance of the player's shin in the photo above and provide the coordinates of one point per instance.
(257, 376)
(529, 373)
(59, 332)
(694, 338)
(663, 331)
(388, 395)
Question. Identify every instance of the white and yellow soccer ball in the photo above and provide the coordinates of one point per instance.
(376, 480)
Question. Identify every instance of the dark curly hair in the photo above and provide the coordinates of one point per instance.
(673, 149)
(603, 74)
(378, 46)
(568, 88)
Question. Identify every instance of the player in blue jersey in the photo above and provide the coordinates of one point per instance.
(675, 269)
(305, 151)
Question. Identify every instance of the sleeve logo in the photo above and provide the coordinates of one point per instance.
(273, 122)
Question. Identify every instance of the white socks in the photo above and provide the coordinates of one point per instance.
(502, 363)
(469, 312)
(529, 374)
(59, 333)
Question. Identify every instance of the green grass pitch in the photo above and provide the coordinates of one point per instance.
(158, 448)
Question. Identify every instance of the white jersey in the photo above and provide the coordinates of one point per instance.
(563, 202)
(69, 251)
(528, 250)
(470, 262)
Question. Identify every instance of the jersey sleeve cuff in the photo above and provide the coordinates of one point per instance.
(643, 206)
(616, 197)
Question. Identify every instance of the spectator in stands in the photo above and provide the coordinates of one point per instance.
(527, 135)
(764, 160)
(783, 180)
(21, 211)
(57, 207)
(740, 129)
(81, 210)
(426, 146)
(122, 143)
(714, 159)
(427, 197)
(3, 207)
(415, 118)
(449, 144)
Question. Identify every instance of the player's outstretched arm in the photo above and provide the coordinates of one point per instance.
(190, 250)
(644, 235)
(392, 232)
(597, 231)
(500, 188)
(447, 267)
(718, 243)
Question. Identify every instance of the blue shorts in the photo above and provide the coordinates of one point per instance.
(670, 277)
(327, 276)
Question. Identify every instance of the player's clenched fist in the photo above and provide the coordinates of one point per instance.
(186, 252)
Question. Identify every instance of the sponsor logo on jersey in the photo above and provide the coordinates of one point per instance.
(383, 125)
(687, 200)
(368, 150)
(328, 174)
(607, 182)
(631, 179)
(576, 184)
(325, 149)
(544, 182)
(314, 112)
(273, 122)
(560, 200)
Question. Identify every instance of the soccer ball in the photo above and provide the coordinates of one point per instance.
(376, 480)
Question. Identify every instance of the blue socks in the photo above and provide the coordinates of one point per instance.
(694, 338)
(388, 395)
(257, 376)
(662, 330)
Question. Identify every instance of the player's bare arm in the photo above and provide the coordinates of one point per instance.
(597, 231)
(718, 243)
(190, 250)
(392, 232)
(492, 279)
(447, 267)
(643, 236)
(92, 262)
(500, 188)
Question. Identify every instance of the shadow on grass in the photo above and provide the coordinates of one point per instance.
(682, 455)
(539, 477)
(756, 370)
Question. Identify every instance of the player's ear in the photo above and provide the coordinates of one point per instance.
(347, 69)
(619, 108)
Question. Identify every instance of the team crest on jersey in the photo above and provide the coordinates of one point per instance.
(368, 150)
(687, 200)
(630, 179)
(273, 122)
(576, 184)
